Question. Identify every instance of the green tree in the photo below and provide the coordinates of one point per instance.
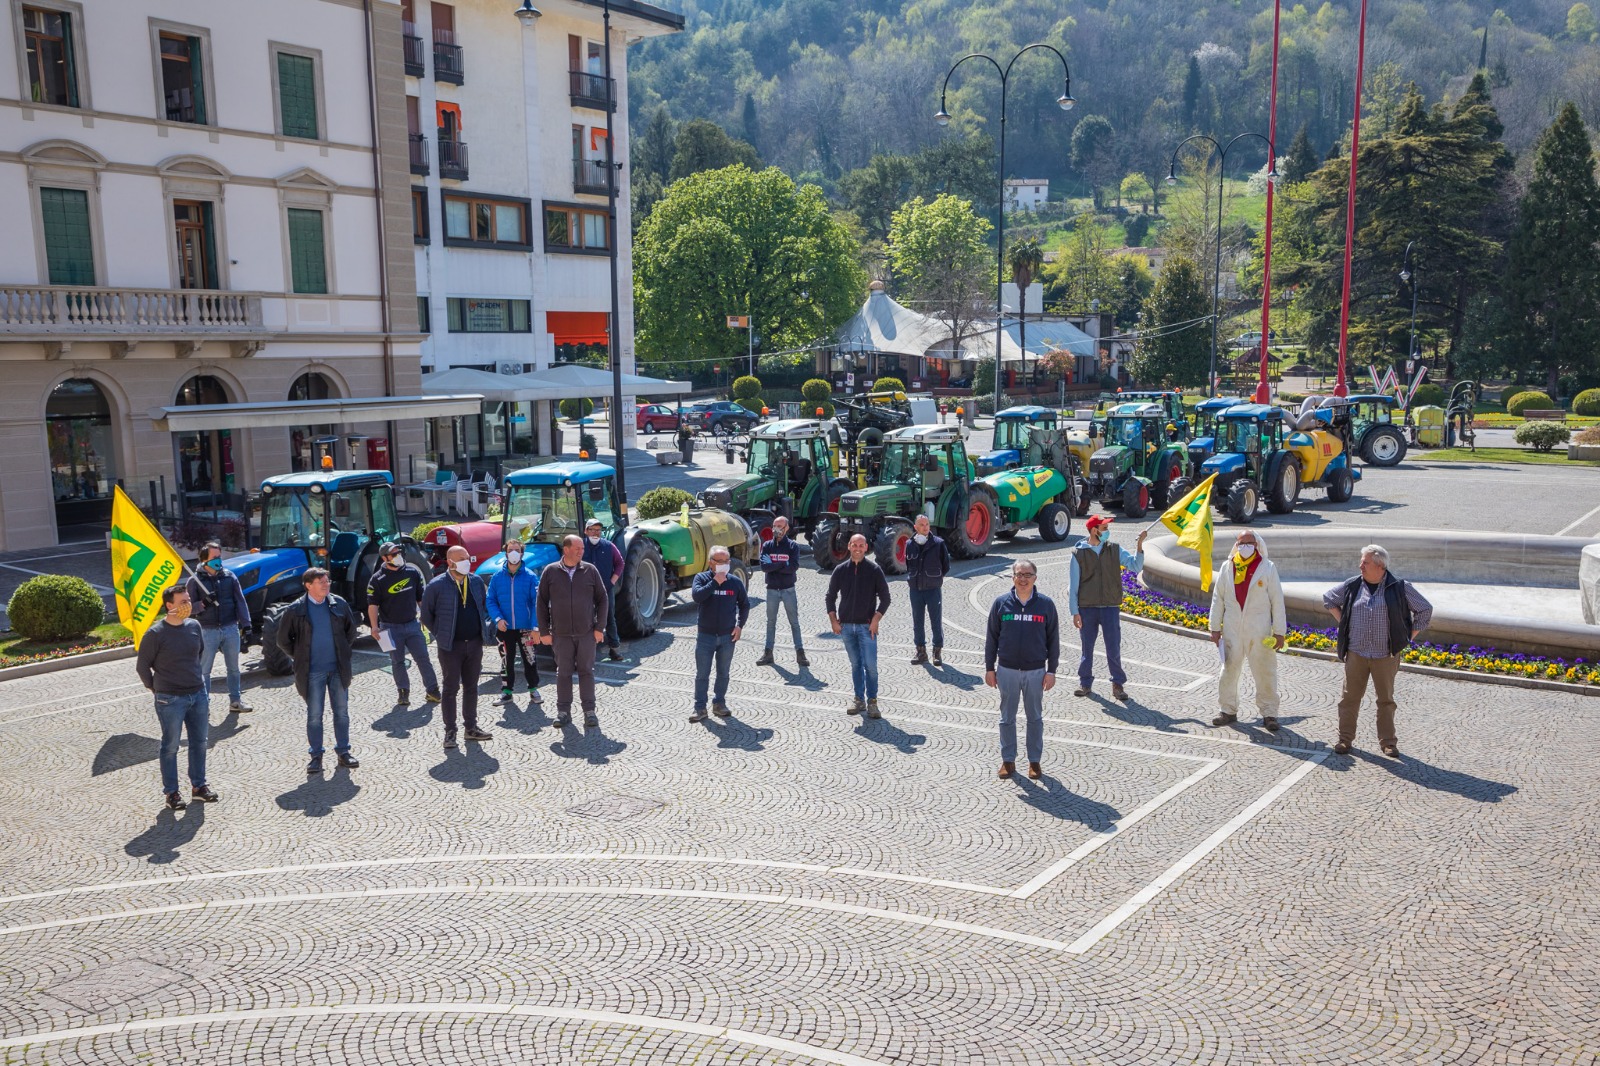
(1191, 92)
(962, 167)
(652, 164)
(1136, 189)
(1094, 152)
(940, 260)
(875, 191)
(749, 122)
(1134, 283)
(733, 241)
(1552, 281)
(1026, 260)
(1174, 347)
(1082, 272)
(1302, 159)
(702, 145)
(1581, 23)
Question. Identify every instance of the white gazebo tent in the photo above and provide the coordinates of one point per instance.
(884, 326)
(497, 414)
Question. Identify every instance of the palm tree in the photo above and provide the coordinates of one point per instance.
(1026, 259)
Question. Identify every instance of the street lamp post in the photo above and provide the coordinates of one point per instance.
(1222, 170)
(1065, 102)
(1408, 275)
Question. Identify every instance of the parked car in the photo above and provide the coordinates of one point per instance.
(725, 416)
(1253, 339)
(655, 418)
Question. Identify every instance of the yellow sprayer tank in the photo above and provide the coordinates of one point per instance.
(1081, 447)
(1430, 425)
(1315, 450)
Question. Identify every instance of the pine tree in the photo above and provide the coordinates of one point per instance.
(1191, 92)
(752, 127)
(1302, 159)
(1174, 348)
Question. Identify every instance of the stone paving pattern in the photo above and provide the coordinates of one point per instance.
(771, 878)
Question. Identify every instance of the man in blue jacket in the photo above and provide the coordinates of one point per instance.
(780, 561)
(456, 611)
(603, 555)
(1020, 653)
(724, 609)
(927, 562)
(511, 609)
(219, 607)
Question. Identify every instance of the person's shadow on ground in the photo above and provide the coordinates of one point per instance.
(159, 844)
(883, 731)
(590, 745)
(402, 721)
(800, 677)
(130, 749)
(1409, 768)
(1051, 796)
(317, 796)
(526, 718)
(1135, 713)
(734, 734)
(468, 767)
(956, 677)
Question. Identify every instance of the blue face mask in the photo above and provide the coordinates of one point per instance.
(215, 564)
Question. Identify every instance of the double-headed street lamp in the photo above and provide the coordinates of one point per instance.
(1408, 276)
(1221, 151)
(1065, 102)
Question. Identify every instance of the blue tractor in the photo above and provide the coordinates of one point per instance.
(1265, 454)
(1204, 442)
(1011, 437)
(336, 520)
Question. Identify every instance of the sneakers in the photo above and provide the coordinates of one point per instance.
(434, 697)
(938, 655)
(403, 697)
(1228, 719)
(314, 767)
(348, 761)
(478, 735)
(1119, 693)
(564, 719)
(534, 699)
(449, 741)
(720, 710)
(699, 715)
(766, 658)
(921, 657)
(175, 802)
(239, 708)
(856, 707)
(506, 695)
(590, 721)
(1269, 723)
(872, 709)
(203, 794)
(800, 658)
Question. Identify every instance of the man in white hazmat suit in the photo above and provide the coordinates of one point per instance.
(1249, 624)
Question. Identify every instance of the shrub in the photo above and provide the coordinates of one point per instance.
(576, 409)
(191, 533)
(1429, 395)
(1586, 402)
(1532, 398)
(1542, 436)
(753, 404)
(586, 443)
(55, 607)
(816, 393)
(746, 385)
(1588, 436)
(662, 501)
(888, 384)
(422, 529)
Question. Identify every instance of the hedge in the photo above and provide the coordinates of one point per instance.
(55, 607)
(753, 404)
(1532, 398)
(746, 385)
(816, 393)
(570, 408)
(1543, 436)
(888, 384)
(662, 501)
(1586, 402)
(1428, 396)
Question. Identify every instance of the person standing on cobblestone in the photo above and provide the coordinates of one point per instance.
(724, 609)
(393, 592)
(1021, 651)
(927, 562)
(455, 609)
(316, 631)
(1378, 616)
(1094, 598)
(572, 607)
(1248, 623)
(603, 555)
(511, 608)
(217, 600)
(858, 598)
(780, 561)
(169, 666)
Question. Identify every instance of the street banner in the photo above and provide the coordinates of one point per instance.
(1190, 519)
(142, 564)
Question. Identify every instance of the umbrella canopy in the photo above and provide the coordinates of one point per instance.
(569, 381)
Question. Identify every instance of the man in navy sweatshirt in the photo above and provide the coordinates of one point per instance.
(724, 609)
(780, 561)
(1020, 655)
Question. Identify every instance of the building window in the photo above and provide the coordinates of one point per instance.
(183, 78)
(447, 57)
(489, 316)
(419, 215)
(69, 247)
(569, 228)
(308, 258)
(52, 76)
(194, 227)
(424, 314)
(478, 220)
(297, 95)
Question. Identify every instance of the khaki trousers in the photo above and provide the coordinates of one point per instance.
(1357, 669)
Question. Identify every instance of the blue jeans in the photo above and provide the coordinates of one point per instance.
(784, 598)
(226, 640)
(328, 688)
(928, 602)
(709, 647)
(408, 638)
(1028, 686)
(1097, 620)
(176, 713)
(862, 648)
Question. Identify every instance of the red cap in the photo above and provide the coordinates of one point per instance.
(1099, 521)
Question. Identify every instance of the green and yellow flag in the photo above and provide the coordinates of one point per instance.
(1190, 519)
(142, 564)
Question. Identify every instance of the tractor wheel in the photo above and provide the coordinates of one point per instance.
(1135, 498)
(1242, 501)
(1085, 501)
(1055, 523)
(274, 658)
(740, 570)
(1285, 491)
(1384, 446)
(1341, 485)
(1161, 494)
(973, 535)
(642, 594)
(890, 546)
(828, 543)
(1178, 489)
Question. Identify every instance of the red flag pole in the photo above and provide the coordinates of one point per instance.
(1340, 388)
(1264, 390)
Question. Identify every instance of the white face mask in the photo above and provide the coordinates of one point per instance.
(594, 538)
(463, 566)
(921, 538)
(722, 568)
(513, 558)
(1246, 551)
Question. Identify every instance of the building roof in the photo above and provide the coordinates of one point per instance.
(1047, 336)
(883, 325)
(649, 12)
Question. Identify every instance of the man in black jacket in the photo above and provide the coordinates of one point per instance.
(927, 562)
(1021, 650)
(858, 597)
(455, 609)
(219, 607)
(780, 561)
(724, 609)
(316, 631)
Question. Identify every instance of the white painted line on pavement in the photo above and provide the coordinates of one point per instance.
(101, 589)
(1569, 528)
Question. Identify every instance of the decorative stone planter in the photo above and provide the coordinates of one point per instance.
(1589, 583)
(1584, 452)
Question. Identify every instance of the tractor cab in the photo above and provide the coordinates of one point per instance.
(1013, 430)
(1171, 404)
(543, 504)
(1138, 459)
(789, 471)
(1203, 444)
(1375, 433)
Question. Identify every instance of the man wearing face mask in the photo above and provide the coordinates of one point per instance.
(456, 611)
(169, 666)
(511, 608)
(316, 632)
(858, 597)
(1248, 622)
(393, 592)
(217, 601)
(724, 609)
(603, 555)
(571, 612)
(780, 561)
(1094, 598)
(927, 562)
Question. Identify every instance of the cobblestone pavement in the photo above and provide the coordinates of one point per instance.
(792, 885)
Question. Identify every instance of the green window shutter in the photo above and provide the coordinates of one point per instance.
(69, 249)
(209, 214)
(308, 262)
(197, 80)
(297, 95)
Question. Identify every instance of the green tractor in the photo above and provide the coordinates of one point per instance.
(1142, 455)
(925, 471)
(1169, 401)
(788, 471)
(1043, 491)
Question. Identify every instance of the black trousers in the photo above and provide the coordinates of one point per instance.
(459, 669)
(511, 646)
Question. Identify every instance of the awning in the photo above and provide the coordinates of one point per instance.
(495, 388)
(202, 418)
(571, 381)
(578, 327)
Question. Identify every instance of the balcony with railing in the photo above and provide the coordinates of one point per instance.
(452, 158)
(591, 176)
(419, 153)
(414, 54)
(447, 58)
(84, 310)
(591, 90)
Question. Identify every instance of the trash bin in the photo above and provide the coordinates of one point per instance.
(1429, 421)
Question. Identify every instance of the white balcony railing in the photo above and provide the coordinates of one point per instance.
(71, 309)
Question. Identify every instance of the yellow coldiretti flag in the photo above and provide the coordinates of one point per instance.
(1190, 519)
(142, 564)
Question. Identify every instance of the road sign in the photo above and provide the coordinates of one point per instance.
(738, 321)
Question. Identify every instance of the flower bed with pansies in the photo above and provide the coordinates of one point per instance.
(1143, 603)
